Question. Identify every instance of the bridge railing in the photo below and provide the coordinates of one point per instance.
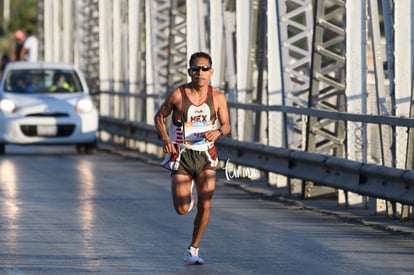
(388, 183)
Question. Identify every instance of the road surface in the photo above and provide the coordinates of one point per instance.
(63, 213)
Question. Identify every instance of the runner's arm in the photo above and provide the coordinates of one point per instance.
(159, 120)
(223, 116)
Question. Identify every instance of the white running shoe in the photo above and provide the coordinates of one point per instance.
(192, 197)
(191, 257)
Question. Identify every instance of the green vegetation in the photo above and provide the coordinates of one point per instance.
(23, 15)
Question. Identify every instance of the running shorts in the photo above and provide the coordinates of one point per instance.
(190, 162)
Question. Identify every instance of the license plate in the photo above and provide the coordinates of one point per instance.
(46, 130)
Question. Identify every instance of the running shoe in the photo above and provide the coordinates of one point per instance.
(192, 197)
(191, 256)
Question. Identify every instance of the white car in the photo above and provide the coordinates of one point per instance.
(46, 103)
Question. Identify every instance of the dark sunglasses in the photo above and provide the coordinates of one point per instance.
(198, 68)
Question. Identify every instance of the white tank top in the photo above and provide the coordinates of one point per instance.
(195, 121)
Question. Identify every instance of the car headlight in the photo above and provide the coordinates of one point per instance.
(8, 106)
(84, 105)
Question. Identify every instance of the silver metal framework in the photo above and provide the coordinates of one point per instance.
(296, 54)
(327, 84)
(296, 29)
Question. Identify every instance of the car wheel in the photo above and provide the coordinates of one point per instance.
(2, 149)
(80, 148)
(90, 148)
(86, 148)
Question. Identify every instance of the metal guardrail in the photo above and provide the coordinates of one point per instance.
(392, 184)
(407, 122)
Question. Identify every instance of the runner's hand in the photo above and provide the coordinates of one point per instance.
(169, 148)
(212, 135)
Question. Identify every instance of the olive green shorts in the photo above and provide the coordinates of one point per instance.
(191, 162)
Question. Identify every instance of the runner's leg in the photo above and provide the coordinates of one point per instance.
(181, 192)
(205, 183)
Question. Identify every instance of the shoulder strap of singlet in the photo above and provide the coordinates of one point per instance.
(210, 97)
(213, 107)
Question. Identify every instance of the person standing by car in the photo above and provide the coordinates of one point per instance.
(30, 47)
(189, 144)
(18, 41)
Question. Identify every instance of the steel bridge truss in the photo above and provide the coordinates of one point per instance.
(325, 54)
(327, 84)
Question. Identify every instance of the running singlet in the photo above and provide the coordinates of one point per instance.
(195, 120)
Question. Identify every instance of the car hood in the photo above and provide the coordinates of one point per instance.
(45, 103)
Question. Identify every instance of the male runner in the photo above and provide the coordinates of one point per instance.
(196, 108)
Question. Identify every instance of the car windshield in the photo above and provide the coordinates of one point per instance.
(42, 81)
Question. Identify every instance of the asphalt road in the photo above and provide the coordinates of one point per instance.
(63, 213)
